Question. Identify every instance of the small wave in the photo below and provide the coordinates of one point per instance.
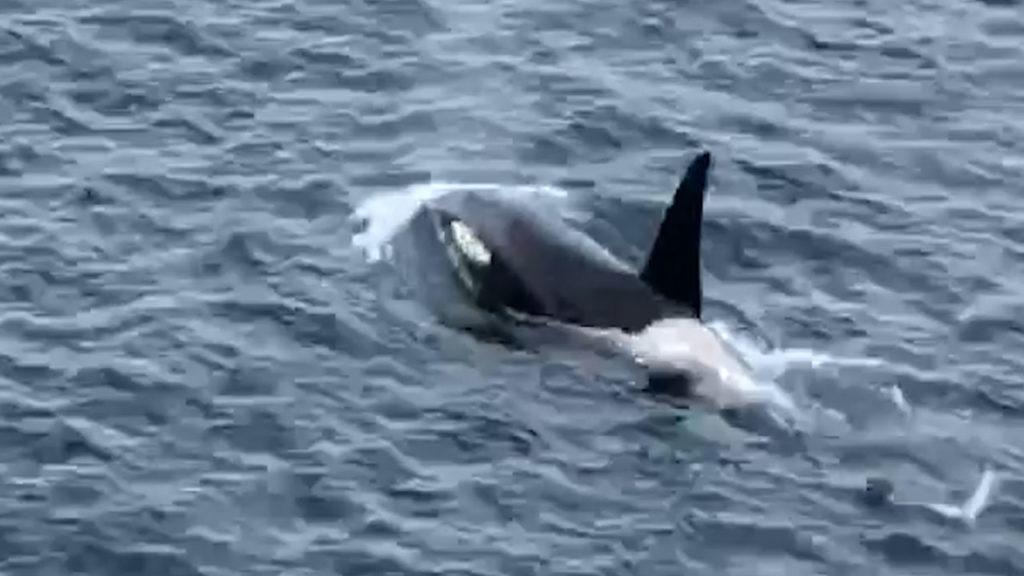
(384, 215)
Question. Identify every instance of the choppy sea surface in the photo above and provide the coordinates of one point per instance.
(206, 368)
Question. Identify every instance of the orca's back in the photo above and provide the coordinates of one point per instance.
(545, 267)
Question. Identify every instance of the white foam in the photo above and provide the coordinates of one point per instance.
(896, 393)
(969, 511)
(384, 215)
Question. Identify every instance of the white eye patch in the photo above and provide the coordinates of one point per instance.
(470, 244)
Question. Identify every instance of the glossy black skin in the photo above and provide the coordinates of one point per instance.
(541, 269)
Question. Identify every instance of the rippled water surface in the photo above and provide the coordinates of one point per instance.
(204, 372)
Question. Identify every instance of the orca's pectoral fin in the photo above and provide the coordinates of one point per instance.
(673, 265)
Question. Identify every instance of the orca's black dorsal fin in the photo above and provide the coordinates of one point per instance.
(673, 265)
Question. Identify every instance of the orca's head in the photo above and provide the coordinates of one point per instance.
(481, 270)
(470, 257)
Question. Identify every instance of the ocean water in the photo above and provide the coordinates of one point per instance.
(213, 362)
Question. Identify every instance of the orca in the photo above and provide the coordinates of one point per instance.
(524, 264)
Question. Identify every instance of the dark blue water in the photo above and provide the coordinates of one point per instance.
(202, 373)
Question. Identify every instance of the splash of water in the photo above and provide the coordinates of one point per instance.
(384, 215)
(896, 394)
(975, 504)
